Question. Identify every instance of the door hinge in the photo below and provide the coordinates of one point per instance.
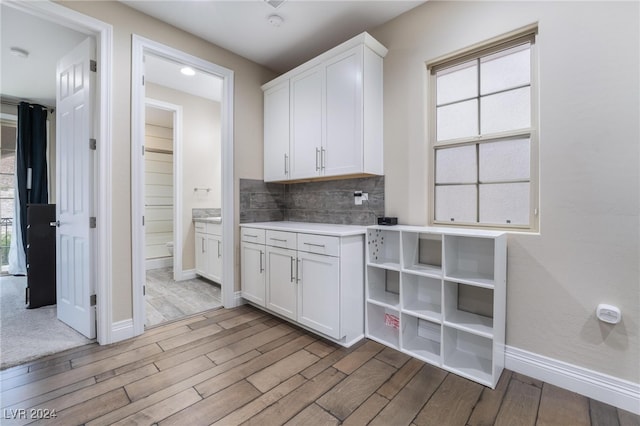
(142, 220)
(92, 300)
(92, 144)
(93, 65)
(92, 222)
(144, 290)
(143, 80)
(142, 149)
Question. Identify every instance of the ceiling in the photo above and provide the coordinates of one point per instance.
(309, 28)
(242, 26)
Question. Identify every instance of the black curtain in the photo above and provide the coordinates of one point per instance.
(31, 159)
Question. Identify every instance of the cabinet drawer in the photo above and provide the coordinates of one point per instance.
(320, 244)
(281, 239)
(214, 228)
(200, 226)
(253, 235)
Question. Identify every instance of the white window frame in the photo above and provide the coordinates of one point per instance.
(506, 41)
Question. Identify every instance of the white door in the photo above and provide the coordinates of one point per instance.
(252, 272)
(343, 142)
(281, 281)
(276, 133)
(75, 83)
(319, 293)
(306, 124)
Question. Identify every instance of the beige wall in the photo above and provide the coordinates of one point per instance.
(587, 251)
(201, 155)
(247, 126)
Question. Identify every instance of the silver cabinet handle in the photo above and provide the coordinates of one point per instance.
(250, 235)
(286, 158)
(203, 249)
(261, 265)
(315, 245)
(282, 240)
(219, 254)
(292, 265)
(298, 271)
(55, 224)
(322, 158)
(317, 162)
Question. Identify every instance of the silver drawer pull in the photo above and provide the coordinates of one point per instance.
(250, 235)
(278, 239)
(314, 245)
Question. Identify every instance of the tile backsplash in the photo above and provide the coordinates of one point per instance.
(324, 201)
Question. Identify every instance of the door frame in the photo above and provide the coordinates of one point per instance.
(101, 262)
(140, 45)
(177, 181)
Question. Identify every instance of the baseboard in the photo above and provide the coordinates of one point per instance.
(602, 387)
(161, 262)
(238, 300)
(122, 330)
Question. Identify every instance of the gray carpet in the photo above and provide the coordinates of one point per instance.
(28, 334)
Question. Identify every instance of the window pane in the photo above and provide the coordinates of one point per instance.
(456, 165)
(504, 203)
(506, 111)
(504, 160)
(457, 120)
(457, 202)
(6, 186)
(7, 161)
(457, 83)
(505, 70)
(8, 137)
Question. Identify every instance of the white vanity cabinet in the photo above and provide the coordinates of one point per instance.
(334, 115)
(208, 245)
(252, 265)
(312, 274)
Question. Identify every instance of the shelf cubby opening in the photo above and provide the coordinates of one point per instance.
(383, 286)
(421, 338)
(469, 259)
(422, 253)
(383, 248)
(383, 325)
(468, 308)
(468, 355)
(422, 296)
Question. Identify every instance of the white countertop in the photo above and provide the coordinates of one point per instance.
(310, 228)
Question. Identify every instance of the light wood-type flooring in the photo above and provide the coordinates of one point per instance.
(242, 366)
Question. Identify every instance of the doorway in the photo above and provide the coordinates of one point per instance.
(195, 194)
(100, 261)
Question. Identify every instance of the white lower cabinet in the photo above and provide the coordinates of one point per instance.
(208, 246)
(319, 293)
(282, 287)
(314, 280)
(439, 295)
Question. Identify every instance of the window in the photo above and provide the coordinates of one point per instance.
(484, 136)
(7, 190)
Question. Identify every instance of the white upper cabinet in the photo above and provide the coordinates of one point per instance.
(334, 115)
(276, 132)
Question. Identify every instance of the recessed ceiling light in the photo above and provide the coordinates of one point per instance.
(188, 71)
(275, 20)
(21, 53)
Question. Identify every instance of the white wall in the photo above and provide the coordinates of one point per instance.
(201, 158)
(587, 251)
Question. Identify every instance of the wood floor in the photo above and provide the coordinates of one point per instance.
(242, 366)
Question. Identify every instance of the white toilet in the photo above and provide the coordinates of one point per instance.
(170, 247)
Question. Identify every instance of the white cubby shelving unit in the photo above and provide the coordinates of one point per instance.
(439, 295)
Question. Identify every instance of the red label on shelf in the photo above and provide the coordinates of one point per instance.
(392, 321)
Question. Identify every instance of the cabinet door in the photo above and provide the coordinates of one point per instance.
(319, 293)
(281, 282)
(306, 123)
(214, 258)
(252, 268)
(343, 149)
(276, 133)
(201, 250)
